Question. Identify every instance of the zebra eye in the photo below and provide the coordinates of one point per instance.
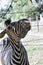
(8, 27)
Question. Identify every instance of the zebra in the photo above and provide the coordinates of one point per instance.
(16, 31)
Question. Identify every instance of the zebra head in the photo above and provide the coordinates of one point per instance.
(20, 27)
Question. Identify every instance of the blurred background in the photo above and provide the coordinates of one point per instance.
(33, 10)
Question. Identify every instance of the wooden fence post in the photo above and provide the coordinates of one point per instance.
(30, 21)
(37, 23)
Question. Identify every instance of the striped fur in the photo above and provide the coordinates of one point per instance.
(19, 54)
(14, 54)
(16, 31)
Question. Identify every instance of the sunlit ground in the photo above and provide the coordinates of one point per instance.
(35, 55)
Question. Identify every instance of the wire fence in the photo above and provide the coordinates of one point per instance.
(33, 42)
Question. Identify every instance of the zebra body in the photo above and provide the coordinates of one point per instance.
(19, 55)
(14, 54)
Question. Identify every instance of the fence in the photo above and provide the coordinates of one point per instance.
(37, 24)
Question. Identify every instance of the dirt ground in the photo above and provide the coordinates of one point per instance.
(35, 55)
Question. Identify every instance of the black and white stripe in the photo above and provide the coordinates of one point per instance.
(14, 53)
(19, 54)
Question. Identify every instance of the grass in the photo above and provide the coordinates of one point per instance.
(35, 55)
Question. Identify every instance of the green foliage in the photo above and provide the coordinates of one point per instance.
(24, 9)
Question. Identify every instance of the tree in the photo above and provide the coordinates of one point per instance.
(23, 9)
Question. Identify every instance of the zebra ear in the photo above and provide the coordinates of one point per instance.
(7, 22)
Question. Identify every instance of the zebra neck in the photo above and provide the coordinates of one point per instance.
(16, 46)
(16, 53)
